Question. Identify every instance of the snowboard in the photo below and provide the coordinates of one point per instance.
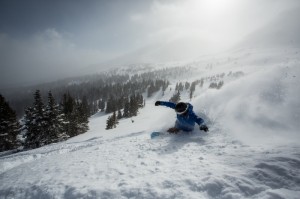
(155, 134)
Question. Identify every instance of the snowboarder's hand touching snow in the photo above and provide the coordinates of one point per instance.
(157, 103)
(204, 128)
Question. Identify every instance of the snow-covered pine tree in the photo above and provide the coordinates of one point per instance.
(81, 114)
(119, 116)
(192, 89)
(9, 126)
(126, 113)
(111, 105)
(112, 121)
(68, 106)
(121, 102)
(176, 97)
(76, 114)
(180, 86)
(28, 128)
(101, 105)
(109, 123)
(220, 84)
(151, 89)
(213, 85)
(187, 85)
(35, 124)
(133, 108)
(85, 107)
(55, 123)
(140, 101)
(201, 82)
(115, 120)
(165, 85)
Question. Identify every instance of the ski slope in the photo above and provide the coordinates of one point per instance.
(251, 151)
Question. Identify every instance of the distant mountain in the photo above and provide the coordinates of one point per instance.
(181, 49)
(283, 31)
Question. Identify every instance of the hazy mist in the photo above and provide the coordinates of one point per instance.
(44, 40)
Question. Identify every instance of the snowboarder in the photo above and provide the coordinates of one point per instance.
(186, 118)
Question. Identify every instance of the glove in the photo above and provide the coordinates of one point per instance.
(204, 128)
(157, 103)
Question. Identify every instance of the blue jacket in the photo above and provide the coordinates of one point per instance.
(187, 121)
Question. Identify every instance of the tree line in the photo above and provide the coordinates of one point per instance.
(130, 108)
(96, 91)
(42, 124)
(190, 87)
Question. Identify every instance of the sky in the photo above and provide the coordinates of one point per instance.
(45, 40)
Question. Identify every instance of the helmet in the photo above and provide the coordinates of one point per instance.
(181, 108)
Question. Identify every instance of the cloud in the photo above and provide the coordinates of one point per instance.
(45, 56)
(92, 33)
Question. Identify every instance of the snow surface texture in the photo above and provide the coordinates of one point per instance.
(251, 151)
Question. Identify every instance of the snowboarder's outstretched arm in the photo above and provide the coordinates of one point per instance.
(197, 119)
(164, 103)
(200, 122)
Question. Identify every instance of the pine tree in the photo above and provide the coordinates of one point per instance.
(81, 118)
(111, 121)
(126, 113)
(85, 107)
(201, 83)
(55, 121)
(187, 85)
(151, 89)
(180, 87)
(76, 114)
(175, 98)
(192, 89)
(69, 105)
(220, 84)
(119, 116)
(28, 128)
(165, 86)
(140, 101)
(35, 124)
(61, 121)
(213, 85)
(101, 105)
(111, 105)
(9, 126)
(133, 106)
(115, 120)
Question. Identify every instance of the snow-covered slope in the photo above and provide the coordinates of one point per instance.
(251, 151)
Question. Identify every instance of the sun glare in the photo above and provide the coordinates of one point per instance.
(217, 8)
